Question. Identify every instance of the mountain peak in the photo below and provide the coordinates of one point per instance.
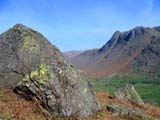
(116, 34)
(125, 52)
(112, 41)
(124, 36)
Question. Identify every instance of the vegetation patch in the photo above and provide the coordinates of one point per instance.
(146, 85)
(5, 116)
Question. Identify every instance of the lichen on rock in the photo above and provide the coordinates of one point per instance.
(26, 44)
(40, 75)
(33, 67)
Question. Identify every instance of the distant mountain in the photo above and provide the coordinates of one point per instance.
(136, 50)
(70, 54)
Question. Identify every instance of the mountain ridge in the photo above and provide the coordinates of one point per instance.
(119, 54)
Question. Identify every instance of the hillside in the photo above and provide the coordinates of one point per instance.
(136, 50)
(70, 54)
(13, 107)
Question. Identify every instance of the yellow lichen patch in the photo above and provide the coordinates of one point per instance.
(26, 44)
(41, 75)
(34, 73)
(29, 44)
(44, 69)
(26, 78)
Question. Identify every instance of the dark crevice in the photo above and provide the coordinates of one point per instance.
(20, 73)
(24, 92)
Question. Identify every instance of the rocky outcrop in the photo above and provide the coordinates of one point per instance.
(34, 68)
(126, 111)
(129, 93)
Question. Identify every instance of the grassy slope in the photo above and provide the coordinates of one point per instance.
(147, 86)
(13, 107)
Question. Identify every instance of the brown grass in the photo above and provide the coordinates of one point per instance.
(153, 111)
(13, 107)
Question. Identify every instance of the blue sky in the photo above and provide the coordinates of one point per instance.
(79, 24)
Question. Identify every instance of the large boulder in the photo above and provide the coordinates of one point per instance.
(128, 92)
(34, 68)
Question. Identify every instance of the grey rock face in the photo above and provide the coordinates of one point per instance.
(129, 93)
(148, 60)
(33, 67)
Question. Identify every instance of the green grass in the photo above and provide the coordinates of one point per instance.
(5, 116)
(147, 86)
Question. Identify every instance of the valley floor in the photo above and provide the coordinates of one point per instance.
(148, 86)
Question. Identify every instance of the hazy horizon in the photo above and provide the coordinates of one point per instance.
(81, 24)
